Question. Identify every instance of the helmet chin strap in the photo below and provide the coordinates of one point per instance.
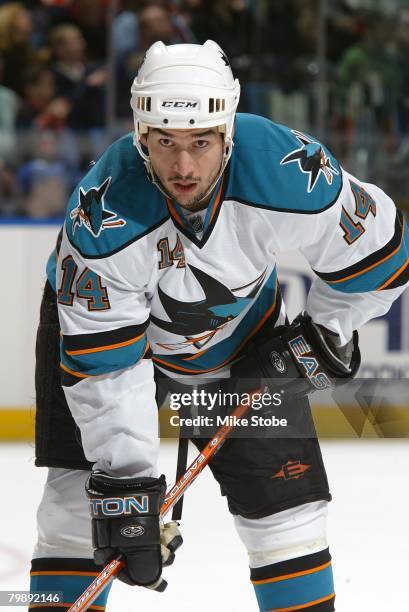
(156, 181)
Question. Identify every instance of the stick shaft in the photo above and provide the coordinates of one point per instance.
(109, 572)
(202, 459)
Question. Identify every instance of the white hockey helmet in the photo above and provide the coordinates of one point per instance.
(185, 87)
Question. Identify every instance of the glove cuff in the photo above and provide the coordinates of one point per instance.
(125, 520)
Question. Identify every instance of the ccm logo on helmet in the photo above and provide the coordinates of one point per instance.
(116, 506)
(179, 104)
(300, 349)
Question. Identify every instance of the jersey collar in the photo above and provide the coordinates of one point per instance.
(212, 212)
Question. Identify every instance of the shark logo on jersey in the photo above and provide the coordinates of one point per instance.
(200, 320)
(311, 159)
(91, 211)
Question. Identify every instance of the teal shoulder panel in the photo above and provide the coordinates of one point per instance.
(281, 169)
(114, 204)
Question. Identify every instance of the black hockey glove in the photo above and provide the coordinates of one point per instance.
(299, 358)
(125, 520)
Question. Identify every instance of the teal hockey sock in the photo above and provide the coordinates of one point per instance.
(301, 584)
(68, 577)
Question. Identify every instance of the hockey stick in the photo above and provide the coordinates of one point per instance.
(106, 576)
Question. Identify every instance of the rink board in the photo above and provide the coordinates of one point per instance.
(24, 250)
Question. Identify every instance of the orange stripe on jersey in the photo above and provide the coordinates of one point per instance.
(196, 355)
(217, 200)
(148, 346)
(173, 211)
(294, 575)
(392, 278)
(72, 372)
(303, 606)
(236, 352)
(108, 347)
(374, 265)
(199, 353)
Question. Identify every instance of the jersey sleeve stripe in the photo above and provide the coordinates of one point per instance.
(105, 360)
(108, 347)
(72, 373)
(376, 270)
(371, 260)
(114, 338)
(70, 377)
(401, 277)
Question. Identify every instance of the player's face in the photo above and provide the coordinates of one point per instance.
(186, 162)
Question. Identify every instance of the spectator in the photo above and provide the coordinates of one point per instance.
(229, 22)
(367, 92)
(402, 57)
(81, 83)
(125, 29)
(44, 178)
(9, 191)
(140, 22)
(369, 65)
(15, 32)
(41, 107)
(155, 22)
(343, 29)
(283, 44)
(188, 9)
(91, 18)
(9, 105)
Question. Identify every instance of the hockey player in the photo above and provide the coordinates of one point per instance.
(166, 267)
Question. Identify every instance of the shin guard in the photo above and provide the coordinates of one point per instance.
(70, 577)
(301, 584)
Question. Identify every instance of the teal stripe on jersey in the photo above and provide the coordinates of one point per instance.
(373, 279)
(294, 592)
(103, 362)
(52, 270)
(71, 586)
(215, 356)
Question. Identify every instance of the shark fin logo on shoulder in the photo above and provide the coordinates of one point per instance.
(91, 211)
(311, 159)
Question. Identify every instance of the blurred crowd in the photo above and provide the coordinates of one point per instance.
(66, 67)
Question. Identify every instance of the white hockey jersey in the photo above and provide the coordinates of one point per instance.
(139, 282)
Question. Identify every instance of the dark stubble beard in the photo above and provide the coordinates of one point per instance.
(201, 200)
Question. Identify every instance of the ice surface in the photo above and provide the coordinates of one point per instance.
(368, 534)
